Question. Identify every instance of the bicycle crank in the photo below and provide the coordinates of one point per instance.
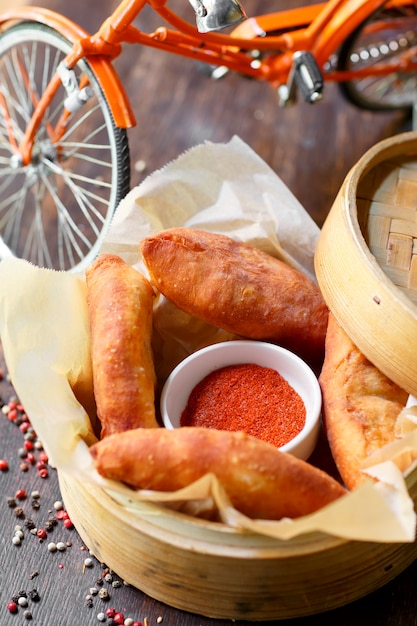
(305, 76)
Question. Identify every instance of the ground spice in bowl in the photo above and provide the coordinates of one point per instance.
(247, 397)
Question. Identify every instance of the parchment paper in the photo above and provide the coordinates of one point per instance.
(45, 336)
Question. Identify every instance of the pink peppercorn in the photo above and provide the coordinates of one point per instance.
(41, 533)
(4, 466)
(67, 523)
(12, 607)
(110, 612)
(28, 445)
(20, 494)
(43, 457)
(43, 473)
(12, 415)
(119, 618)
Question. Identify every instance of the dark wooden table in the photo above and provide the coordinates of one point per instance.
(311, 148)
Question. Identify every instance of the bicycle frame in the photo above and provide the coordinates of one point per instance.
(262, 47)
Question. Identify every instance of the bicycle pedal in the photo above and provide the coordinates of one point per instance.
(307, 76)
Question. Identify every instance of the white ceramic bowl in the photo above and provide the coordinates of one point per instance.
(198, 365)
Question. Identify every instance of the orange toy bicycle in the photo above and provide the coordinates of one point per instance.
(64, 113)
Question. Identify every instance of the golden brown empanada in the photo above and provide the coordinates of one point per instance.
(261, 481)
(238, 288)
(120, 301)
(360, 405)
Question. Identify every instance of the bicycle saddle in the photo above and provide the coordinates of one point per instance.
(217, 14)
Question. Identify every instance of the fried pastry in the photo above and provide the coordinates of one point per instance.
(120, 302)
(360, 405)
(261, 481)
(237, 288)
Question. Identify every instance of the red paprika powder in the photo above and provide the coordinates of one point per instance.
(250, 398)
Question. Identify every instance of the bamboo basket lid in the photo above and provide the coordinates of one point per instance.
(366, 258)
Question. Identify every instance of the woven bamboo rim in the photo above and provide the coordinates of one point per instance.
(366, 258)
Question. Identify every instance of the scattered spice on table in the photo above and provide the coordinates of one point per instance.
(32, 455)
(250, 398)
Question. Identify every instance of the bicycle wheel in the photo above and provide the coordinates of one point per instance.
(55, 211)
(383, 38)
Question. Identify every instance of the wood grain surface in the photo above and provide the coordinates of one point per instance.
(311, 148)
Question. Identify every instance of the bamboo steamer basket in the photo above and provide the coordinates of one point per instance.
(366, 258)
(213, 570)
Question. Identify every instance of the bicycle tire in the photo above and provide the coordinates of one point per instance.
(55, 211)
(387, 34)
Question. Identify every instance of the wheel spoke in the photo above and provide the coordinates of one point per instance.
(389, 38)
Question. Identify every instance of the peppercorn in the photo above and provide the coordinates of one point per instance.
(29, 523)
(12, 607)
(34, 595)
(104, 594)
(43, 457)
(41, 533)
(4, 466)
